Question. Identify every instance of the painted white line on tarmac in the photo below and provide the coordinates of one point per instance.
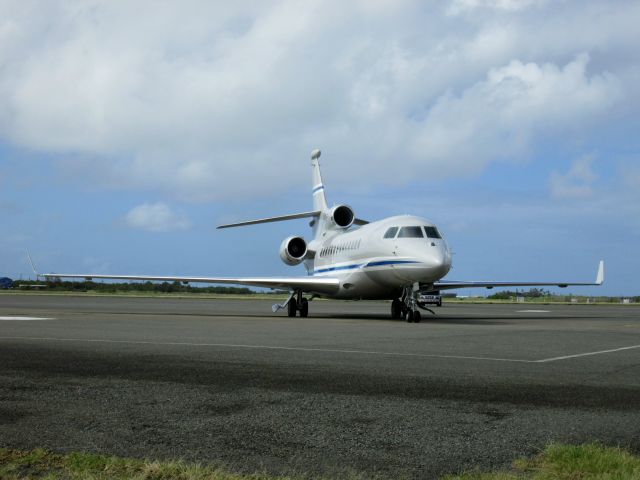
(17, 319)
(533, 311)
(321, 350)
(578, 355)
(272, 347)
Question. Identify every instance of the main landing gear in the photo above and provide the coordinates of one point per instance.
(294, 304)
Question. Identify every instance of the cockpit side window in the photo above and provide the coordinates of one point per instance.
(391, 233)
(410, 232)
(432, 232)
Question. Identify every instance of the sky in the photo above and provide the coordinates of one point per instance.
(129, 130)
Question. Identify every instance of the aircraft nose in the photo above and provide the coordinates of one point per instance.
(439, 259)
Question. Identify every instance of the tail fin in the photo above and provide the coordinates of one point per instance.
(319, 199)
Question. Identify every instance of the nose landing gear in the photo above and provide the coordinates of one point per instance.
(407, 305)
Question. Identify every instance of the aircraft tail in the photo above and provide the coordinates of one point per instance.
(320, 213)
(319, 199)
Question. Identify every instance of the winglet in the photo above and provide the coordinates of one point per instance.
(600, 276)
(33, 267)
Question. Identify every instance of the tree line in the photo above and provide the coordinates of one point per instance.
(123, 287)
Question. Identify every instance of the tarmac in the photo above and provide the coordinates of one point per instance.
(226, 382)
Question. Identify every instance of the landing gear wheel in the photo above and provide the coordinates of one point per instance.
(292, 307)
(409, 316)
(416, 317)
(304, 308)
(396, 309)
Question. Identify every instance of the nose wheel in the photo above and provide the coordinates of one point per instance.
(413, 316)
(407, 305)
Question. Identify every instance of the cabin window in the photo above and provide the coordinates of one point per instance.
(391, 233)
(432, 232)
(410, 232)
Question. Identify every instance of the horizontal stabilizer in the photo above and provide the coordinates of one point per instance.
(281, 218)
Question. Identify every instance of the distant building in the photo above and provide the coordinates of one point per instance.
(5, 282)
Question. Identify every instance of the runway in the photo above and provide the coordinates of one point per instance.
(228, 382)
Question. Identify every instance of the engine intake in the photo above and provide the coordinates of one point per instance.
(342, 216)
(293, 250)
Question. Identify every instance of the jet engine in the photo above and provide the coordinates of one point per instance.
(293, 250)
(342, 216)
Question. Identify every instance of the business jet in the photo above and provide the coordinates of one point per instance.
(401, 258)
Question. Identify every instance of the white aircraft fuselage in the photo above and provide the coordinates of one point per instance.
(371, 266)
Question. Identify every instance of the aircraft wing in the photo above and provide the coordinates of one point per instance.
(320, 285)
(449, 285)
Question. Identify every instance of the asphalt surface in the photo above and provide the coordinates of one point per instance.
(229, 383)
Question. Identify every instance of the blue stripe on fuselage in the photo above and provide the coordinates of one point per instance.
(389, 262)
(363, 265)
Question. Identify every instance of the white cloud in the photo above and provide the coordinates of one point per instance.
(463, 6)
(576, 183)
(208, 100)
(156, 217)
(500, 116)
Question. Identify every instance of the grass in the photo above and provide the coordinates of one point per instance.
(568, 462)
(556, 462)
(41, 464)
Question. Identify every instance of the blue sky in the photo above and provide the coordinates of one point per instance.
(512, 124)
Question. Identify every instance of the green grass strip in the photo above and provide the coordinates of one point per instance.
(556, 462)
(41, 464)
(568, 462)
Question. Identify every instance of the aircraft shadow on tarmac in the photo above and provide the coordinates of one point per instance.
(426, 318)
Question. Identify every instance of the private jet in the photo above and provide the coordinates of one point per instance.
(402, 258)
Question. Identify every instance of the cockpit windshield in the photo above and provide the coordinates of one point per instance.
(391, 233)
(410, 232)
(432, 232)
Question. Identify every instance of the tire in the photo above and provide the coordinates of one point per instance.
(409, 316)
(417, 317)
(396, 309)
(292, 307)
(304, 308)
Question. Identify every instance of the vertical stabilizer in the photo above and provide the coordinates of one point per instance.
(319, 200)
